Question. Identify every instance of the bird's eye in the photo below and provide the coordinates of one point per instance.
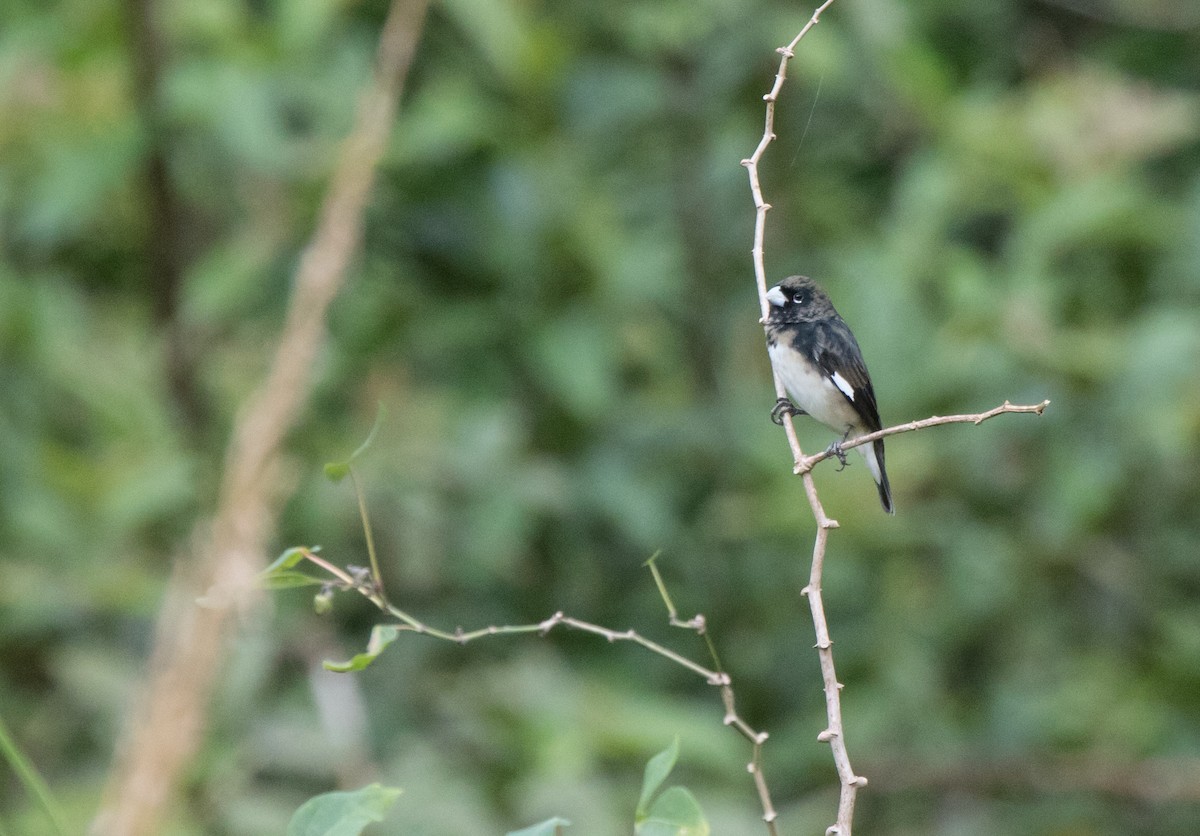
(798, 298)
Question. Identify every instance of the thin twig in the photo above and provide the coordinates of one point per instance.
(376, 575)
(363, 583)
(833, 733)
(806, 463)
(699, 624)
(695, 623)
(350, 580)
(751, 163)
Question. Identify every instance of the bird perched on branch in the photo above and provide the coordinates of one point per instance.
(821, 367)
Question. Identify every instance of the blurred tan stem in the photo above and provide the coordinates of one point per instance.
(165, 725)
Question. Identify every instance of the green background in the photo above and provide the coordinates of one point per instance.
(555, 303)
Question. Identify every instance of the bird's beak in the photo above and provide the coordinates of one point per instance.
(775, 297)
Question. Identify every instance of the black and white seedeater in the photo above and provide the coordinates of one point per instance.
(821, 367)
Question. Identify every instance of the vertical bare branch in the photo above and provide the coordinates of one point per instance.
(166, 724)
(833, 733)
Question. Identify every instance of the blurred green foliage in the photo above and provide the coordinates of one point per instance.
(555, 302)
(342, 813)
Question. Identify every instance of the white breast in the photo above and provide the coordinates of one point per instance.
(812, 391)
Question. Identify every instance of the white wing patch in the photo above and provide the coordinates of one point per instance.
(843, 384)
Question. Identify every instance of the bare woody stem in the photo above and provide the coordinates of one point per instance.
(806, 463)
(833, 734)
(367, 585)
(755, 768)
(751, 163)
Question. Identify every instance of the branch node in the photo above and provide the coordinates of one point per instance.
(806, 591)
(858, 781)
(825, 645)
(786, 52)
(826, 736)
(549, 624)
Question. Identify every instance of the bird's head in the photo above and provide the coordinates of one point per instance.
(798, 299)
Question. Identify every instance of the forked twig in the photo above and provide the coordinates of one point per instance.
(366, 583)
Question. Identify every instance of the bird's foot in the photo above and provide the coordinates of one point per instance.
(835, 450)
(784, 407)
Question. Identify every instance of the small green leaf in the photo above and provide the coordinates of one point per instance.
(657, 770)
(286, 561)
(342, 813)
(674, 813)
(287, 579)
(381, 636)
(550, 827)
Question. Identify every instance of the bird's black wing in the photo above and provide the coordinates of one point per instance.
(835, 350)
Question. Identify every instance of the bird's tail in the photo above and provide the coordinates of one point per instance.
(874, 457)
